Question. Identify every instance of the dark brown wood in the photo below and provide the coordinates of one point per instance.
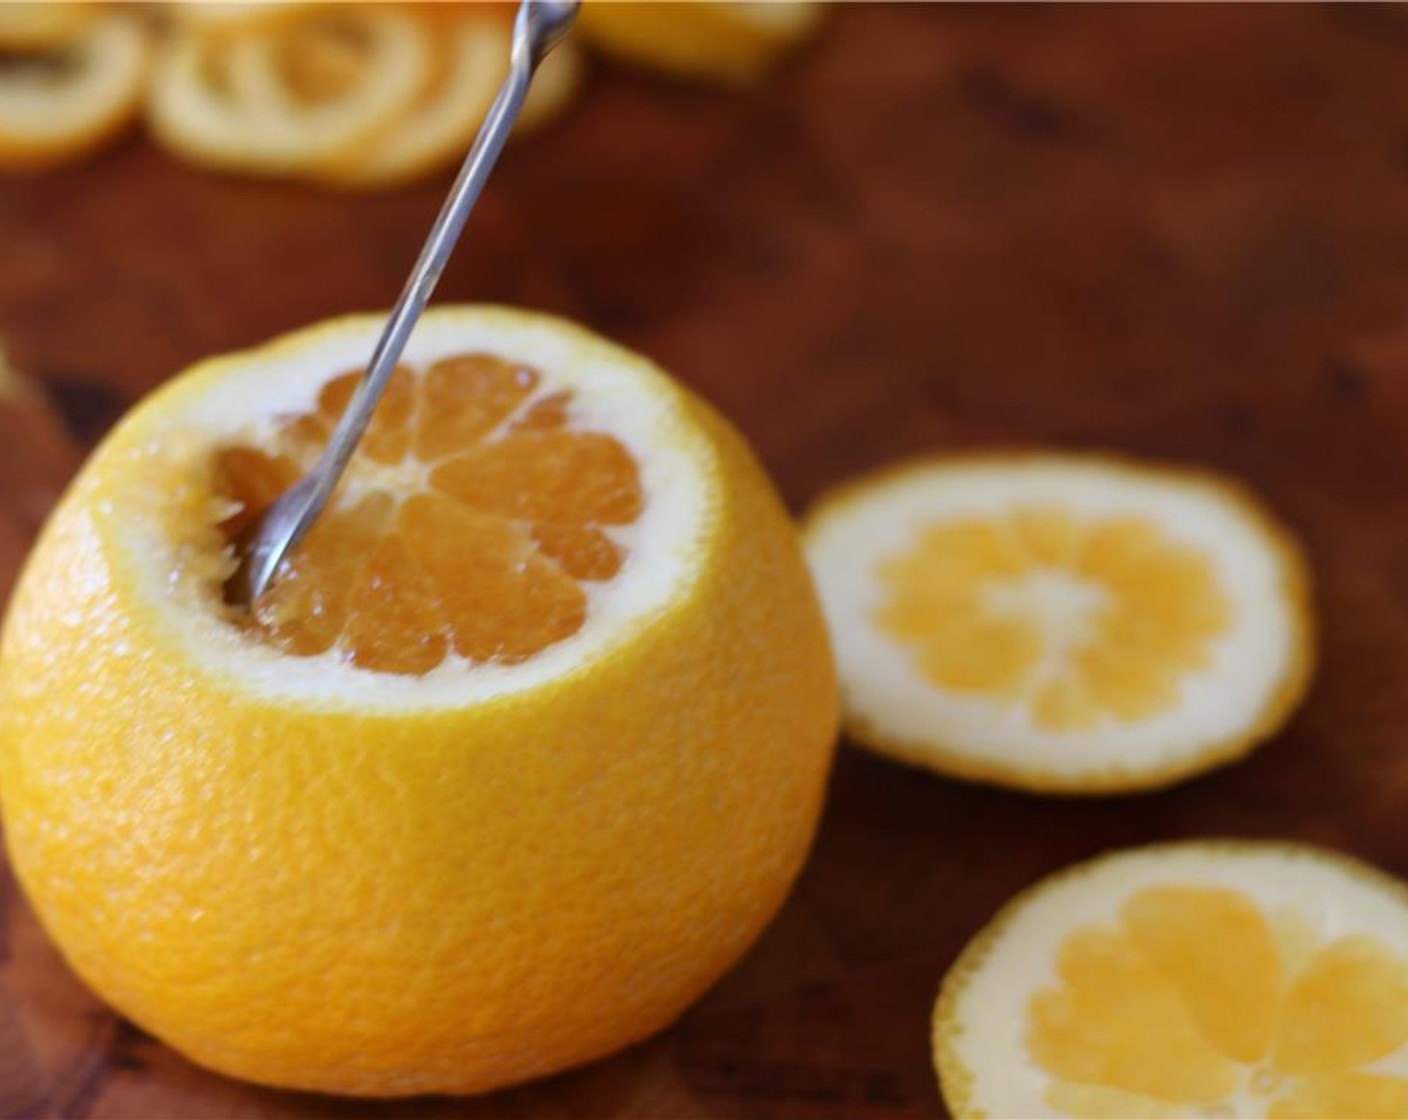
(1173, 231)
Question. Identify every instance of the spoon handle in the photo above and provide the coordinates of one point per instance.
(539, 26)
(434, 255)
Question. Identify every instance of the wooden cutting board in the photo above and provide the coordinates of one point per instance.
(1173, 231)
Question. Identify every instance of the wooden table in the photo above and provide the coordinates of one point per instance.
(1173, 231)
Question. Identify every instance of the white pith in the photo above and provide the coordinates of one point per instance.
(987, 1019)
(108, 62)
(613, 392)
(1064, 607)
(885, 689)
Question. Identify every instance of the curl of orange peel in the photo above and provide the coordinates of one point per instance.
(472, 48)
(60, 102)
(294, 100)
(440, 127)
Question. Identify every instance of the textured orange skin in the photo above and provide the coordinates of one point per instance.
(447, 901)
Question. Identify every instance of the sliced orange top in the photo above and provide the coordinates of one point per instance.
(468, 522)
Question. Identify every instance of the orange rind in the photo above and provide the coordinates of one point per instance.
(64, 100)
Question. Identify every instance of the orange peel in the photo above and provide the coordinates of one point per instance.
(233, 106)
(437, 131)
(60, 102)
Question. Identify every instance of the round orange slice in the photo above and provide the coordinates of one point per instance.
(60, 101)
(1061, 623)
(471, 60)
(1211, 979)
(292, 99)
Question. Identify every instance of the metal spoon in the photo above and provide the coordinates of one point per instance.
(540, 25)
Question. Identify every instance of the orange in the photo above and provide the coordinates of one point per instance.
(1225, 978)
(521, 753)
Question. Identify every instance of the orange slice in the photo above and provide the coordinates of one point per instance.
(62, 100)
(294, 98)
(1189, 979)
(1061, 623)
(471, 59)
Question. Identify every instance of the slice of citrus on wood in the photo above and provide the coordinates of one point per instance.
(522, 751)
(292, 98)
(1060, 623)
(471, 61)
(471, 52)
(1211, 979)
(60, 100)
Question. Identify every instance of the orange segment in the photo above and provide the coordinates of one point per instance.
(1123, 612)
(1348, 1008)
(307, 609)
(546, 476)
(503, 600)
(981, 655)
(1066, 704)
(465, 398)
(1119, 1022)
(387, 439)
(1366, 1096)
(253, 480)
(396, 624)
(545, 414)
(1233, 993)
(1051, 536)
(464, 524)
(583, 552)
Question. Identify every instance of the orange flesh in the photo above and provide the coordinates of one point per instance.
(470, 517)
(1090, 621)
(1198, 993)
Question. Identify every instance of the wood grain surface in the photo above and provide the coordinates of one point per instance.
(1173, 231)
